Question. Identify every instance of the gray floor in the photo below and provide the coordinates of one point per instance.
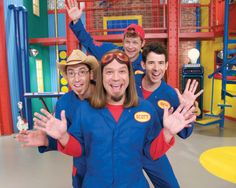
(26, 168)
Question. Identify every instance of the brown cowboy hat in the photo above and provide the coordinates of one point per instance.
(76, 57)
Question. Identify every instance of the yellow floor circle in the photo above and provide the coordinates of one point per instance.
(220, 162)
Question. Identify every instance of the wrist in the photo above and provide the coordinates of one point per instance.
(64, 139)
(75, 21)
(46, 142)
(167, 134)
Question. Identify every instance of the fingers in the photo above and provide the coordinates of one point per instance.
(187, 85)
(180, 108)
(178, 93)
(39, 123)
(39, 127)
(63, 117)
(192, 86)
(171, 110)
(165, 115)
(199, 93)
(75, 3)
(190, 120)
(46, 113)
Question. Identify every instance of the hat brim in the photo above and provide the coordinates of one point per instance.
(90, 61)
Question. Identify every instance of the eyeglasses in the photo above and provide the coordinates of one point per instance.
(71, 73)
(120, 56)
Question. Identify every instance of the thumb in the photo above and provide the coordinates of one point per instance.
(63, 117)
(178, 93)
(166, 114)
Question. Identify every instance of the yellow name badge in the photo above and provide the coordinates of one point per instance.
(162, 103)
(142, 117)
(138, 72)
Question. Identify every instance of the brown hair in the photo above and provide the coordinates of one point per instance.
(98, 99)
(132, 34)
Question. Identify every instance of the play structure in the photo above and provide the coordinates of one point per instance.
(170, 22)
(226, 70)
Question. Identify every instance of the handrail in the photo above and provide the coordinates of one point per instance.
(221, 67)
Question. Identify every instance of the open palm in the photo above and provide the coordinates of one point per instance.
(52, 126)
(32, 138)
(176, 121)
(188, 96)
(73, 10)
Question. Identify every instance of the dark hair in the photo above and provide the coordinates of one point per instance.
(98, 99)
(154, 47)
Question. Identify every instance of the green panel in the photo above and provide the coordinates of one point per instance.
(38, 25)
(38, 28)
(43, 55)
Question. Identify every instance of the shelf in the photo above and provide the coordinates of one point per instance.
(48, 41)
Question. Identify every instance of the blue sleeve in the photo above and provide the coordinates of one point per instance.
(75, 129)
(87, 41)
(186, 132)
(52, 143)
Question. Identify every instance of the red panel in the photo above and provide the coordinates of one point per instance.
(6, 125)
(48, 41)
(71, 40)
(232, 14)
(173, 43)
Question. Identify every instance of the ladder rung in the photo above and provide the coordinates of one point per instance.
(232, 41)
(231, 51)
(231, 82)
(209, 114)
(224, 105)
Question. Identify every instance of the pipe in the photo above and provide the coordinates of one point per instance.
(27, 69)
(18, 54)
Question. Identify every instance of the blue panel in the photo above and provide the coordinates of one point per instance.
(11, 55)
(119, 24)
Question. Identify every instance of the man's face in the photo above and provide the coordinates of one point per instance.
(132, 47)
(155, 66)
(78, 77)
(115, 81)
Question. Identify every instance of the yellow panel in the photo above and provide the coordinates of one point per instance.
(39, 70)
(131, 17)
(220, 162)
(207, 120)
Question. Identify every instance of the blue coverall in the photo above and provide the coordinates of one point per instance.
(160, 171)
(114, 150)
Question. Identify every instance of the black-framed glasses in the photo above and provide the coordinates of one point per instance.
(71, 73)
(120, 56)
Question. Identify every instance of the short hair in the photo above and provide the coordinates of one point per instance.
(98, 99)
(154, 47)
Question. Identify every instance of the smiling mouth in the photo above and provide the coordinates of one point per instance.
(116, 88)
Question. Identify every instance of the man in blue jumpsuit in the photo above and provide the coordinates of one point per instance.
(115, 128)
(153, 88)
(132, 43)
(78, 72)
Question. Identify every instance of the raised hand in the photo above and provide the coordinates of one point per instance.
(188, 97)
(73, 10)
(49, 124)
(32, 138)
(175, 122)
